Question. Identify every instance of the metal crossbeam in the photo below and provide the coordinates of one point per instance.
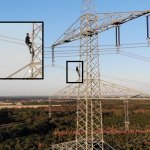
(108, 91)
(106, 21)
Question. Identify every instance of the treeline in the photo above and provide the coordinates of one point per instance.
(24, 129)
(32, 129)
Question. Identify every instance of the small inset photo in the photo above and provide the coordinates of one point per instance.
(74, 71)
(21, 50)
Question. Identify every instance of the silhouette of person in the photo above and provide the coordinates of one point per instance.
(28, 42)
(77, 70)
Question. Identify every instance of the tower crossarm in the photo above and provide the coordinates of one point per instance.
(71, 34)
(110, 20)
(106, 21)
(109, 91)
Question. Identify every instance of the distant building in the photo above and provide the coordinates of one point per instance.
(4, 103)
(18, 103)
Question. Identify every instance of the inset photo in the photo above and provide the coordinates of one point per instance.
(74, 71)
(22, 50)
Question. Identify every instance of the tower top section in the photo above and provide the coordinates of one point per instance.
(88, 7)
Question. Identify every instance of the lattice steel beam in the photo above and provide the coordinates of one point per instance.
(108, 91)
(106, 21)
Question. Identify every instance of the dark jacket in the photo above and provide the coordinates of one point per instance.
(27, 40)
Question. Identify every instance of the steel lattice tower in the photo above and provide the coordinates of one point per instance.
(34, 69)
(37, 45)
(89, 114)
(89, 132)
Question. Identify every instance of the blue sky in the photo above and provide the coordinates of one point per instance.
(10, 50)
(58, 15)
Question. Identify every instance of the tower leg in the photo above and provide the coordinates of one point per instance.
(126, 111)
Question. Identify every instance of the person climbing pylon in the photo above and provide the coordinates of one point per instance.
(28, 42)
(77, 70)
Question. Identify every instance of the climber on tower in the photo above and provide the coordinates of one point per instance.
(77, 70)
(28, 42)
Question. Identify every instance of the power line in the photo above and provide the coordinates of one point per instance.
(14, 40)
(103, 75)
(63, 56)
(11, 42)
(103, 45)
(9, 37)
(62, 53)
(22, 43)
(113, 48)
(132, 55)
(124, 79)
(135, 56)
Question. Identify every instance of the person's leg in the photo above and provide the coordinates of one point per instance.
(29, 48)
(30, 44)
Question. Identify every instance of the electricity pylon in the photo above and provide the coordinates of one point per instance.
(89, 132)
(126, 110)
(34, 69)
